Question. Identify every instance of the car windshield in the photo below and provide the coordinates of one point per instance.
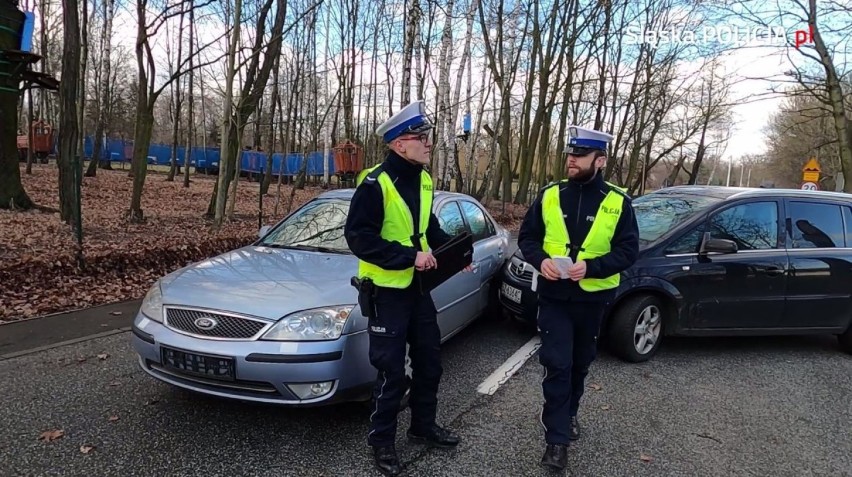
(317, 226)
(657, 214)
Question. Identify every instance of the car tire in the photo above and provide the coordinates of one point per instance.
(628, 321)
(845, 340)
(494, 310)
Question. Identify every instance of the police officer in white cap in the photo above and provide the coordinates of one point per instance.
(580, 234)
(391, 229)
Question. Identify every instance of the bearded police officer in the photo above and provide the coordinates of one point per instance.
(390, 228)
(580, 234)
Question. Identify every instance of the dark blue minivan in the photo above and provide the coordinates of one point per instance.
(723, 261)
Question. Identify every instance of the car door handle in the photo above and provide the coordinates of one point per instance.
(500, 253)
(774, 271)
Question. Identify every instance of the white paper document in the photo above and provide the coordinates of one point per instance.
(563, 264)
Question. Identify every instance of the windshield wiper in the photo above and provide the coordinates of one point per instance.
(312, 248)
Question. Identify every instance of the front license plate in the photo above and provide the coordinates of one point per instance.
(511, 293)
(214, 367)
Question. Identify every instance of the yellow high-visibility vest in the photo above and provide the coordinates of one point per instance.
(398, 226)
(598, 241)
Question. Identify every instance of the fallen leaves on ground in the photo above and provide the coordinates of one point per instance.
(595, 386)
(39, 269)
(114, 384)
(49, 436)
(85, 449)
(645, 458)
(37, 251)
(103, 356)
(115, 313)
(113, 418)
(606, 407)
(151, 402)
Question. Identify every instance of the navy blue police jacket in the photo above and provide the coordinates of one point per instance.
(367, 213)
(580, 203)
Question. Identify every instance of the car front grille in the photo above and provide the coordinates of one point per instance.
(198, 322)
(517, 269)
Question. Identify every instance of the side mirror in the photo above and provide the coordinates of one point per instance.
(711, 245)
(263, 231)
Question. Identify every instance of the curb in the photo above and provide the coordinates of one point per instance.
(66, 312)
(18, 354)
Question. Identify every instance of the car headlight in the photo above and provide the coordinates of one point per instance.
(311, 325)
(152, 305)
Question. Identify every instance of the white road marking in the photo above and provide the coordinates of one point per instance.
(509, 367)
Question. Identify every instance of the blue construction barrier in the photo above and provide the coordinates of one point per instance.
(119, 150)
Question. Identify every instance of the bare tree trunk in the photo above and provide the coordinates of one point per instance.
(443, 124)
(68, 91)
(12, 194)
(189, 118)
(267, 173)
(81, 94)
(842, 125)
(413, 20)
(227, 123)
(29, 127)
(105, 95)
(178, 103)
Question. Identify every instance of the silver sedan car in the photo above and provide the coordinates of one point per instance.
(278, 321)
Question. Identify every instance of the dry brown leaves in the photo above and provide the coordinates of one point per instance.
(37, 265)
(49, 436)
(509, 216)
(37, 251)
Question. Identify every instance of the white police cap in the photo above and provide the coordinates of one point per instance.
(583, 140)
(408, 120)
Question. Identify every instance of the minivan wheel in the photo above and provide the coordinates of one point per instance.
(845, 340)
(636, 329)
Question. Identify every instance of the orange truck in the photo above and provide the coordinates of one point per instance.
(42, 142)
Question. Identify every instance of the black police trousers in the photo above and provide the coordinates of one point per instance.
(404, 316)
(569, 340)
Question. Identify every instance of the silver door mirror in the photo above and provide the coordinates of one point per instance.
(263, 231)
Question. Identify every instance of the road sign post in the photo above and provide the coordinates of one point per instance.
(810, 175)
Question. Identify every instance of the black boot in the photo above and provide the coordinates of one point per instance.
(556, 456)
(574, 432)
(435, 437)
(386, 460)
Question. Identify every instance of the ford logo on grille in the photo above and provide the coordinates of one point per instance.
(206, 323)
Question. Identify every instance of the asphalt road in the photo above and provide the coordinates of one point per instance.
(750, 406)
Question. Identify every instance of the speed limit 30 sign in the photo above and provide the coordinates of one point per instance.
(809, 186)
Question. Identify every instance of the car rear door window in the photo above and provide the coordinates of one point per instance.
(815, 225)
(476, 219)
(450, 218)
(752, 226)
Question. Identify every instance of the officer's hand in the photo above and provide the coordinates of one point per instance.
(549, 270)
(577, 271)
(425, 261)
(468, 268)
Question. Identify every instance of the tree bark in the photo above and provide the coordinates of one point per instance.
(178, 102)
(413, 14)
(188, 151)
(220, 193)
(12, 193)
(105, 99)
(68, 90)
(835, 93)
(257, 76)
